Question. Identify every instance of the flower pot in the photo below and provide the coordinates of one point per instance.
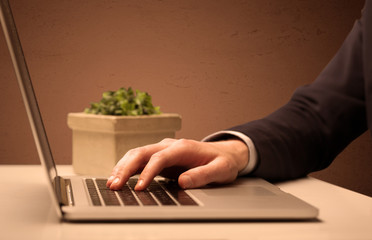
(99, 141)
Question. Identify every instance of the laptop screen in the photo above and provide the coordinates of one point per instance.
(25, 85)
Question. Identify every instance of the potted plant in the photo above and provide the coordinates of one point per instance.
(122, 120)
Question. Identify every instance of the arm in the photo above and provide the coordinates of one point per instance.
(302, 136)
(319, 121)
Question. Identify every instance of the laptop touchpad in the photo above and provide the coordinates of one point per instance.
(238, 191)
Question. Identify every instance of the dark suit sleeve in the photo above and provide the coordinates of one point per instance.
(318, 122)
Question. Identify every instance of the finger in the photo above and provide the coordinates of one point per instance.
(218, 171)
(177, 154)
(155, 165)
(125, 168)
(131, 163)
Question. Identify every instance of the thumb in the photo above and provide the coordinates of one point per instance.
(206, 174)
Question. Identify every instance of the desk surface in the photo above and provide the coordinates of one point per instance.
(26, 213)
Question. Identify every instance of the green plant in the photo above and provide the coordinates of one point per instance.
(124, 102)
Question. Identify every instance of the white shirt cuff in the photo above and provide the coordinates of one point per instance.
(252, 161)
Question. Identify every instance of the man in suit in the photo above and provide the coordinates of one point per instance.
(303, 136)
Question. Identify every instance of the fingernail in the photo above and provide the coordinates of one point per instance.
(109, 181)
(139, 184)
(116, 181)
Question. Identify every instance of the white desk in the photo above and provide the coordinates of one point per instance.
(26, 213)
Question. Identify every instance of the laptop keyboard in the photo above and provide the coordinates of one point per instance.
(159, 193)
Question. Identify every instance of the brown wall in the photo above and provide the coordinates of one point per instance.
(216, 62)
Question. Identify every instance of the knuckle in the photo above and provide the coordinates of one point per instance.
(229, 171)
(184, 143)
(226, 165)
(157, 157)
(135, 152)
(167, 140)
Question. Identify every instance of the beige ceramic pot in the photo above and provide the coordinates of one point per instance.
(99, 141)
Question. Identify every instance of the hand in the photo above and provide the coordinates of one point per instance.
(194, 163)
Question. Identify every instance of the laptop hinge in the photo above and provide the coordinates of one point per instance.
(63, 191)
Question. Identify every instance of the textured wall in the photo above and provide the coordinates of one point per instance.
(218, 63)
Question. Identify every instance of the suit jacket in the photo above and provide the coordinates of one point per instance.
(322, 118)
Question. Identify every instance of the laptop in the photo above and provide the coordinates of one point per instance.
(86, 198)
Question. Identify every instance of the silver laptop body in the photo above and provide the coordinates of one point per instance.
(245, 199)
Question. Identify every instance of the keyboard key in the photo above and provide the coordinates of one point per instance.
(108, 196)
(178, 193)
(93, 192)
(144, 196)
(160, 194)
(127, 196)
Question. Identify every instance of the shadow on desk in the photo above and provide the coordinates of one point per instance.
(352, 169)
